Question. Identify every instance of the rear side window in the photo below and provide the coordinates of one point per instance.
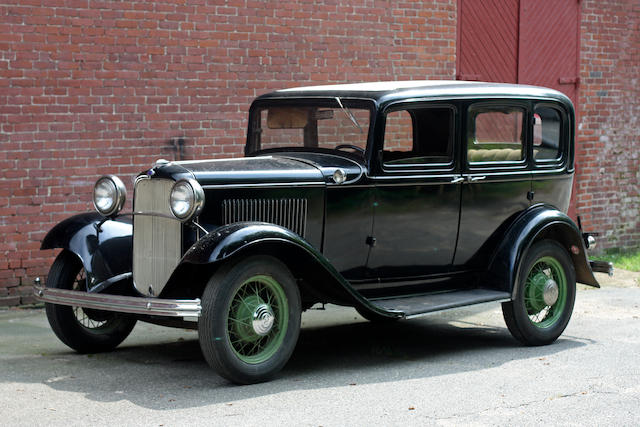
(418, 136)
(547, 133)
(495, 134)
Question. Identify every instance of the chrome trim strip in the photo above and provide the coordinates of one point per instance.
(119, 303)
(261, 185)
(193, 162)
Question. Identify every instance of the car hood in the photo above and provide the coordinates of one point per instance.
(294, 168)
(243, 171)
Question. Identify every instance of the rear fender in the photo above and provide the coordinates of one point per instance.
(105, 254)
(537, 223)
(319, 279)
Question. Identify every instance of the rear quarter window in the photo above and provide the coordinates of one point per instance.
(547, 134)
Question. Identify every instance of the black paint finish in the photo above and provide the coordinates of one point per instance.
(104, 254)
(388, 233)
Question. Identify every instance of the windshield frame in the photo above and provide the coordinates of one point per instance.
(251, 148)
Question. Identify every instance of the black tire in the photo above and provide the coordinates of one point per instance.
(260, 288)
(84, 330)
(533, 317)
(374, 317)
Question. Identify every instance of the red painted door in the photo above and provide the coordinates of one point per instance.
(549, 45)
(488, 40)
(549, 51)
(521, 41)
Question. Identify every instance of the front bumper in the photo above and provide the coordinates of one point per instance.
(188, 309)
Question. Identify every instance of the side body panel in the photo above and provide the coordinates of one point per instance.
(415, 227)
(348, 223)
(233, 241)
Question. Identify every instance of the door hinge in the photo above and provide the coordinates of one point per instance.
(569, 80)
(530, 195)
(371, 241)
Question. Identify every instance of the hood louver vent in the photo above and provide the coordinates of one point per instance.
(288, 213)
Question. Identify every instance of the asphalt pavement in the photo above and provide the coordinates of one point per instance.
(459, 367)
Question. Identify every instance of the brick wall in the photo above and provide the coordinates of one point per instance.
(89, 87)
(608, 143)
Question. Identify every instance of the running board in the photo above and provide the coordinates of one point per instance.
(414, 306)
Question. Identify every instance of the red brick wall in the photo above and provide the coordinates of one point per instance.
(89, 87)
(608, 143)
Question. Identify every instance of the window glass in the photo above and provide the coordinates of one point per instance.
(326, 127)
(418, 136)
(495, 134)
(547, 128)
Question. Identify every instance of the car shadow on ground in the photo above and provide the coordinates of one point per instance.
(173, 374)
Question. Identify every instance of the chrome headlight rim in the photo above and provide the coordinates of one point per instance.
(119, 196)
(196, 202)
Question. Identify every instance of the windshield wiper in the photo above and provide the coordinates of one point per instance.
(349, 114)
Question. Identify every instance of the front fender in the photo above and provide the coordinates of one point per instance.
(105, 254)
(537, 223)
(242, 239)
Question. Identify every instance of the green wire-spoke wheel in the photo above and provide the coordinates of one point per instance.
(250, 319)
(258, 318)
(545, 292)
(544, 295)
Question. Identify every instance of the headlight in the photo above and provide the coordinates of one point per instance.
(186, 199)
(109, 195)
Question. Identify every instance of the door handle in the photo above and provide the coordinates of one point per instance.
(476, 178)
(457, 179)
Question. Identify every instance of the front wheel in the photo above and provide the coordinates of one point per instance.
(84, 330)
(544, 295)
(250, 319)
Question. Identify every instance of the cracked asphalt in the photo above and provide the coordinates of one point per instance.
(451, 368)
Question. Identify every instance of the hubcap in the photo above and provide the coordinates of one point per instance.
(262, 320)
(550, 293)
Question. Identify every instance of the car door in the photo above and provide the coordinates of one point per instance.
(417, 193)
(497, 176)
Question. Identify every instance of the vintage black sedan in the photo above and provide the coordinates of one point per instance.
(396, 198)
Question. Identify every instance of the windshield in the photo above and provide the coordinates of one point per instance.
(337, 124)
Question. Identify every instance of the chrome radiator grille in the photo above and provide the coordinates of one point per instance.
(288, 213)
(157, 238)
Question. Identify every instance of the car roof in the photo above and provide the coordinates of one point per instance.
(391, 91)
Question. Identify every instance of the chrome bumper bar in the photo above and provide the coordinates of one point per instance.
(189, 309)
(602, 267)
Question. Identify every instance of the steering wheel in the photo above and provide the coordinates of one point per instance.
(349, 146)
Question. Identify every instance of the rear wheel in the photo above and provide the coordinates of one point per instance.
(84, 330)
(250, 319)
(544, 295)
